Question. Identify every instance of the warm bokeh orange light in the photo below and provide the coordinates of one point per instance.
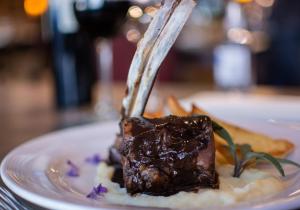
(35, 7)
(265, 3)
(243, 1)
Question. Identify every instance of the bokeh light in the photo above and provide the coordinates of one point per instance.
(243, 1)
(35, 7)
(265, 3)
(151, 11)
(135, 12)
(240, 35)
(133, 35)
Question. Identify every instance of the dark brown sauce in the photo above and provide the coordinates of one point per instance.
(166, 155)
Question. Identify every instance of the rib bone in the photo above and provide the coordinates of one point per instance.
(152, 49)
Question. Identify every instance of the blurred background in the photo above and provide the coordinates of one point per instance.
(58, 58)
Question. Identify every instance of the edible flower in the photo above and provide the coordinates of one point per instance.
(97, 191)
(94, 160)
(73, 170)
(244, 156)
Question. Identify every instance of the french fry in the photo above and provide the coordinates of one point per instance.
(259, 142)
(175, 107)
(221, 159)
(151, 115)
(159, 112)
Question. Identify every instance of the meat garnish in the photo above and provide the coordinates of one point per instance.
(166, 155)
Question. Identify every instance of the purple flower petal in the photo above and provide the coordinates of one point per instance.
(92, 195)
(73, 171)
(100, 189)
(97, 191)
(94, 160)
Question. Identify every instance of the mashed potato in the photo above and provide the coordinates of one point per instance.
(252, 184)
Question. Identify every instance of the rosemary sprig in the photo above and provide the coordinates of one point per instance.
(246, 155)
(286, 161)
(219, 130)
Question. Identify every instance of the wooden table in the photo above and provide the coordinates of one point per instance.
(27, 109)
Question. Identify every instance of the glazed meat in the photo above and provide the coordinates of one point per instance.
(166, 155)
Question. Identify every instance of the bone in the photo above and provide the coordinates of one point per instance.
(152, 49)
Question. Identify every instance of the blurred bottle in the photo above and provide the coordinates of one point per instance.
(103, 20)
(232, 59)
(73, 58)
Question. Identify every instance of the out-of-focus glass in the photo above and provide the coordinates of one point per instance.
(102, 20)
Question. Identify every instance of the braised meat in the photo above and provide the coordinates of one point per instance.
(166, 155)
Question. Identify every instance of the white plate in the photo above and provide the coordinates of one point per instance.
(36, 170)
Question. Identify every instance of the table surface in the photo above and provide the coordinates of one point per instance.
(27, 110)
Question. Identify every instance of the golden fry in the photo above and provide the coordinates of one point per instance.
(175, 107)
(259, 142)
(220, 159)
(152, 115)
(156, 114)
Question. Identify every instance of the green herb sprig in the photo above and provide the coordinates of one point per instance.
(246, 155)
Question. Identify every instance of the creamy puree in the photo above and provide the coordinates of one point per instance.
(252, 184)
